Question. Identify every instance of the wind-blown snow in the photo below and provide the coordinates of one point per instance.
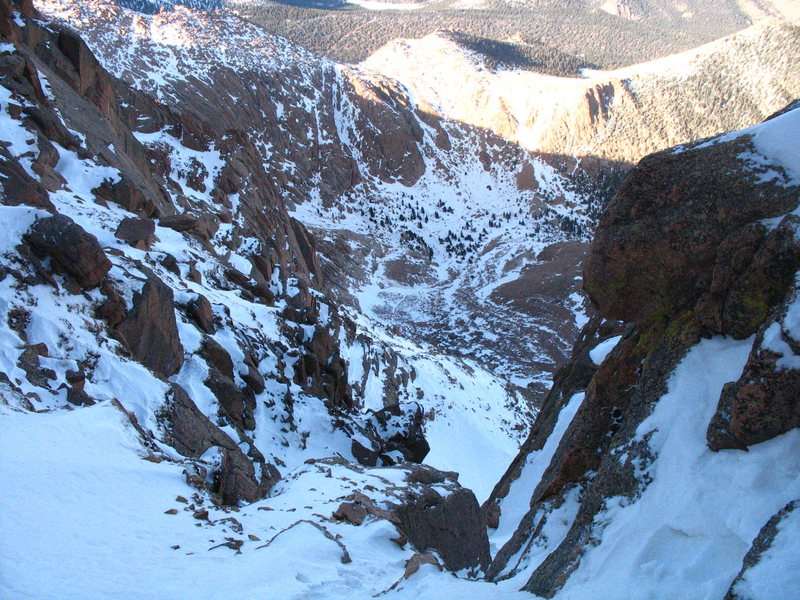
(517, 502)
(696, 520)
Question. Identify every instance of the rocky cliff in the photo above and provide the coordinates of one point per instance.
(637, 469)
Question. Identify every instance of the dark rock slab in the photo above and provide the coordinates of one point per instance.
(71, 248)
(191, 433)
(150, 331)
(451, 523)
(136, 232)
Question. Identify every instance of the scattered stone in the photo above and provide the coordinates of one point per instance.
(233, 523)
(171, 511)
(231, 543)
(181, 499)
(415, 562)
(201, 514)
(351, 512)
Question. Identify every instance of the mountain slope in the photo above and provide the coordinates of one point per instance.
(202, 392)
(448, 212)
(619, 115)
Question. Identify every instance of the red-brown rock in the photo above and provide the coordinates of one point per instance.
(150, 331)
(71, 248)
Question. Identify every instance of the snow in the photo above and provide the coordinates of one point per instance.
(774, 144)
(777, 139)
(598, 353)
(696, 520)
(777, 573)
(774, 342)
(517, 502)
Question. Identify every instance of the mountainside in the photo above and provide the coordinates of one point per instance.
(154, 6)
(664, 452)
(275, 326)
(619, 115)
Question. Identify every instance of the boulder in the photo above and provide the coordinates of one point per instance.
(200, 312)
(71, 249)
(351, 512)
(656, 246)
(216, 356)
(135, 232)
(451, 524)
(203, 227)
(150, 331)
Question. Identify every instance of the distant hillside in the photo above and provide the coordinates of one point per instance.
(153, 6)
(351, 34)
(620, 115)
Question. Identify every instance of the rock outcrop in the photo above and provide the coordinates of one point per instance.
(192, 434)
(71, 249)
(149, 331)
(699, 241)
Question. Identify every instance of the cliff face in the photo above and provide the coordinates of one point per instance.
(639, 453)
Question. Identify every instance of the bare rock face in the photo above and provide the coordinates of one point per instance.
(765, 401)
(656, 246)
(322, 371)
(390, 131)
(451, 523)
(71, 249)
(191, 433)
(150, 331)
